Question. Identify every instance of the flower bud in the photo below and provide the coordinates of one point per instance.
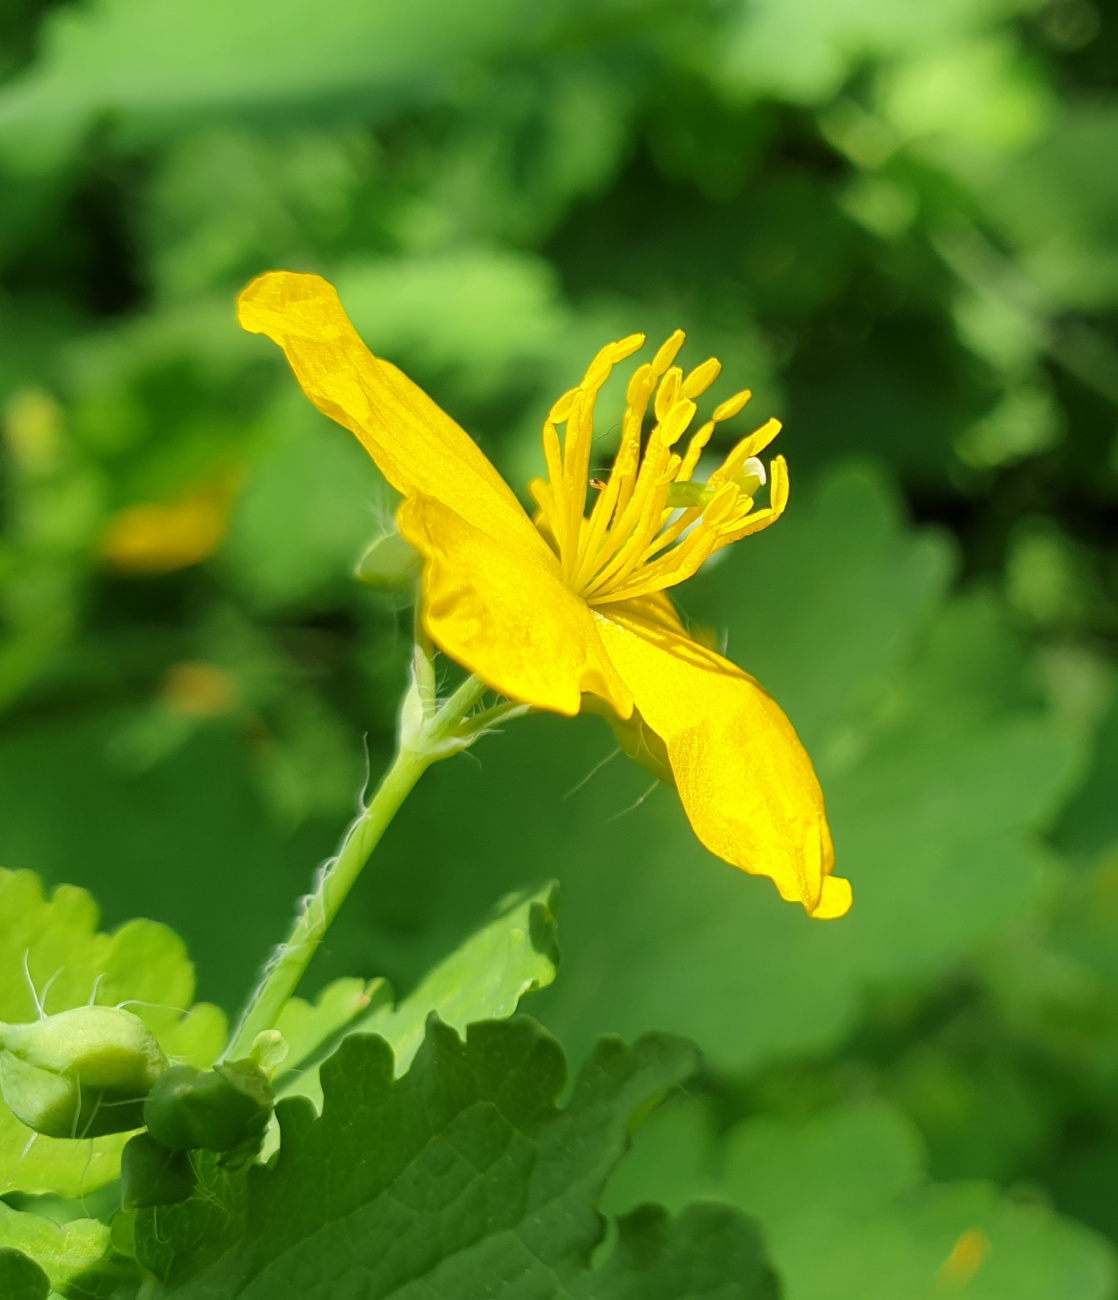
(389, 563)
(223, 1109)
(152, 1174)
(80, 1073)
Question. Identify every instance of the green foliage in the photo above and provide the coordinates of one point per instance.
(463, 1176)
(22, 1278)
(75, 1257)
(483, 979)
(850, 1214)
(201, 786)
(226, 1108)
(147, 64)
(68, 963)
(895, 221)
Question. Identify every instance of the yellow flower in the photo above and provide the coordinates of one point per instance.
(157, 537)
(573, 604)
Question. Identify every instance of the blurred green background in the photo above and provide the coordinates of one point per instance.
(898, 222)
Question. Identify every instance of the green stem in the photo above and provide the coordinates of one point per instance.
(438, 735)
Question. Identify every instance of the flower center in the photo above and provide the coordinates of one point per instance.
(652, 525)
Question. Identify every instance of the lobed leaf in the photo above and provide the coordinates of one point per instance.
(484, 979)
(464, 1178)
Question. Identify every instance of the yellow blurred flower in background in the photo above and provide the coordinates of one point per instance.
(199, 690)
(155, 537)
(575, 604)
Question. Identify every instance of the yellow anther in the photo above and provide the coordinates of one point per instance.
(731, 406)
(667, 353)
(668, 392)
(757, 442)
(597, 372)
(629, 544)
(675, 422)
(562, 407)
(778, 493)
(640, 385)
(624, 348)
(701, 378)
(695, 449)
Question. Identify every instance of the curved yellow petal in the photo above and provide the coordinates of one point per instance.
(505, 614)
(744, 778)
(416, 445)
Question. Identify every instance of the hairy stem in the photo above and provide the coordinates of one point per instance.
(438, 734)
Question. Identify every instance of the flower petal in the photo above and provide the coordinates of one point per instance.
(505, 614)
(744, 778)
(416, 445)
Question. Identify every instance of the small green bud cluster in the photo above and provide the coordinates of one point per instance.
(224, 1110)
(81, 1073)
(93, 1070)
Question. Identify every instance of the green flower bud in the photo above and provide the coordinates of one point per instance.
(268, 1051)
(80, 1073)
(636, 739)
(223, 1109)
(389, 563)
(151, 1174)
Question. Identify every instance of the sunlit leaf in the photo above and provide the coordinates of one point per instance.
(52, 954)
(484, 979)
(73, 1255)
(154, 66)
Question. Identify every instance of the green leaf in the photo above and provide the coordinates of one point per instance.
(189, 839)
(1088, 824)
(153, 67)
(872, 1223)
(307, 1026)
(463, 1178)
(72, 1255)
(308, 509)
(514, 954)
(851, 1215)
(1057, 207)
(803, 50)
(53, 944)
(476, 314)
(21, 1278)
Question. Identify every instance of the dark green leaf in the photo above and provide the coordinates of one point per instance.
(463, 1178)
(21, 1278)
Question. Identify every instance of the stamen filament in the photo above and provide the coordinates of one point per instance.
(636, 542)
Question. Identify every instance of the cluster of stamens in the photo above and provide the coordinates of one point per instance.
(651, 525)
